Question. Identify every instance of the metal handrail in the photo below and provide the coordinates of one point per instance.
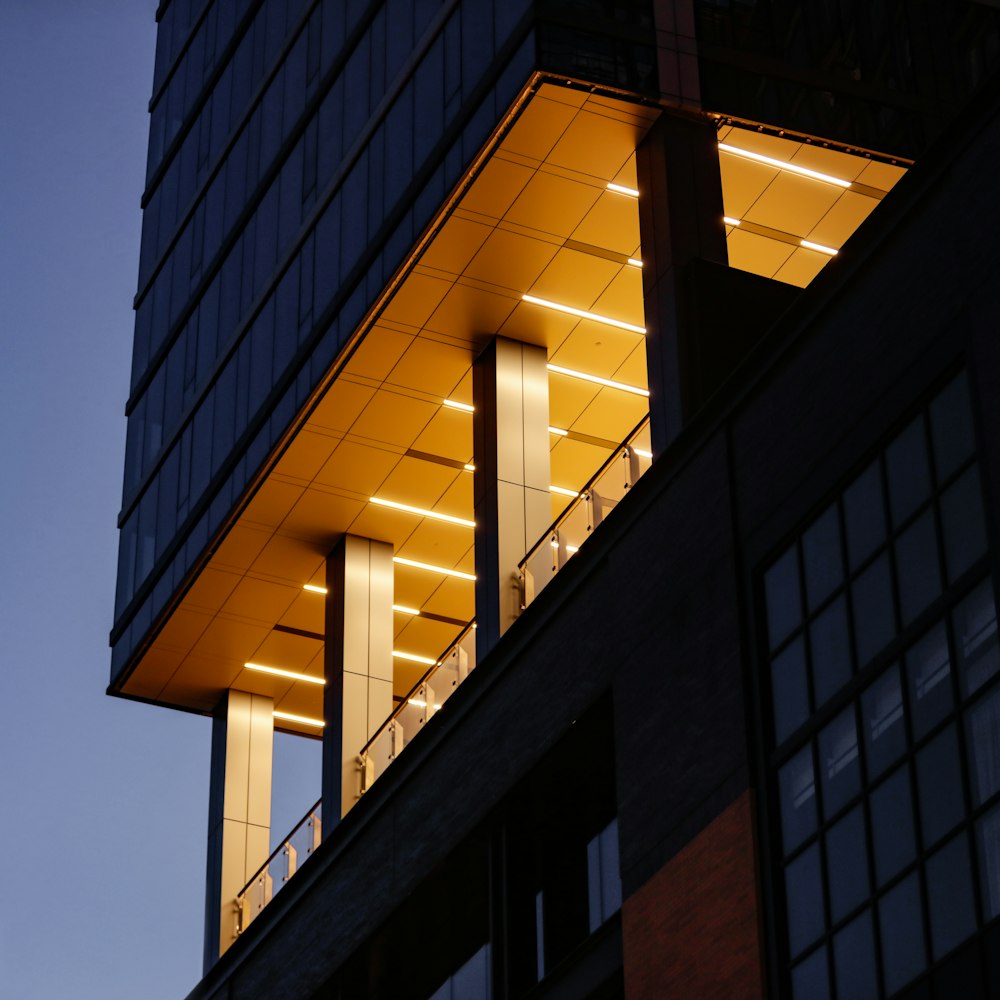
(280, 848)
(416, 687)
(584, 492)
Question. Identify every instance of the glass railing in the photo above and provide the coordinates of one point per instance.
(288, 856)
(413, 712)
(585, 512)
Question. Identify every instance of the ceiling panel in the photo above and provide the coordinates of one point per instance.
(750, 252)
(340, 405)
(612, 222)
(431, 367)
(539, 127)
(457, 242)
(553, 204)
(574, 279)
(793, 204)
(321, 516)
(471, 309)
(448, 434)
(511, 260)
(358, 467)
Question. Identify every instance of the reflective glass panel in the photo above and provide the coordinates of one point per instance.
(963, 523)
(907, 471)
(871, 601)
(939, 782)
(928, 674)
(831, 651)
(988, 837)
(784, 605)
(951, 427)
(976, 638)
(821, 559)
(882, 711)
(854, 960)
(949, 896)
(798, 799)
(810, 979)
(847, 863)
(892, 825)
(804, 895)
(917, 567)
(899, 913)
(790, 690)
(864, 515)
(983, 744)
(839, 764)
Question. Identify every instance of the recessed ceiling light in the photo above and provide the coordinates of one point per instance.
(583, 314)
(403, 610)
(433, 569)
(793, 168)
(643, 454)
(819, 247)
(420, 512)
(400, 655)
(563, 491)
(730, 221)
(634, 389)
(314, 588)
(634, 261)
(558, 431)
(469, 467)
(621, 189)
(291, 675)
(456, 405)
(303, 719)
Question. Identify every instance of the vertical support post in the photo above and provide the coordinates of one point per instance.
(680, 220)
(358, 664)
(510, 390)
(239, 811)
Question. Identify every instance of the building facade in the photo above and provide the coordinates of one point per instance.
(579, 415)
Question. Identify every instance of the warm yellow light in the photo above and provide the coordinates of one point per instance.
(569, 548)
(643, 454)
(456, 405)
(563, 491)
(469, 467)
(400, 655)
(420, 703)
(403, 610)
(819, 247)
(303, 719)
(730, 221)
(313, 588)
(621, 189)
(583, 314)
(420, 512)
(634, 261)
(784, 165)
(433, 569)
(284, 673)
(634, 389)
(558, 431)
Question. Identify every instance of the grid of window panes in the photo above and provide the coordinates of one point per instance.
(884, 678)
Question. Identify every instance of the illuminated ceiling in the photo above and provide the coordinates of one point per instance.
(539, 219)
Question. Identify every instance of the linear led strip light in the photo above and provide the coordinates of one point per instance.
(619, 324)
(312, 588)
(622, 189)
(610, 383)
(289, 674)
(303, 720)
(421, 512)
(787, 165)
(433, 569)
(808, 244)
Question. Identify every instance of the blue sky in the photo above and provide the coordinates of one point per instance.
(103, 803)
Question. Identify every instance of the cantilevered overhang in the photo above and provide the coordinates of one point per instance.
(549, 211)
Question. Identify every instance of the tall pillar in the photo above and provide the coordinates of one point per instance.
(510, 390)
(680, 220)
(357, 698)
(239, 810)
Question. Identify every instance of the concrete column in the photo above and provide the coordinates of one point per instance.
(510, 390)
(680, 220)
(239, 811)
(357, 698)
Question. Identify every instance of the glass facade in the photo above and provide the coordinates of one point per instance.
(882, 75)
(885, 709)
(310, 144)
